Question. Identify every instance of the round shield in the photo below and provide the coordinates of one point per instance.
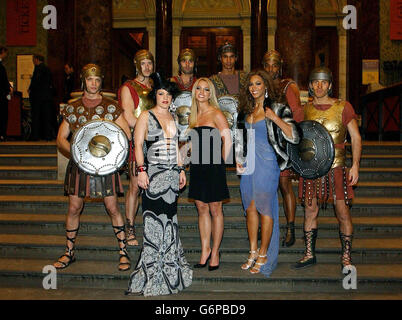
(313, 156)
(228, 106)
(182, 106)
(100, 147)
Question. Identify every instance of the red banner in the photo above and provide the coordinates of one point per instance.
(21, 23)
(395, 11)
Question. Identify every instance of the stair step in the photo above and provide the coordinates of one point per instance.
(59, 204)
(235, 227)
(228, 278)
(44, 159)
(28, 147)
(28, 172)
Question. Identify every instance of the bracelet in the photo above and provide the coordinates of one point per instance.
(181, 168)
(138, 169)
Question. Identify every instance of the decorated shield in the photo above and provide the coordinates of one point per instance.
(99, 147)
(228, 106)
(182, 106)
(313, 156)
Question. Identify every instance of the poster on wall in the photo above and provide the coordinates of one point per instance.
(395, 20)
(370, 71)
(21, 23)
(25, 68)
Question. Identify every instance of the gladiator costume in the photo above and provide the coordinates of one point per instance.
(78, 182)
(334, 185)
(139, 94)
(229, 84)
(287, 88)
(186, 54)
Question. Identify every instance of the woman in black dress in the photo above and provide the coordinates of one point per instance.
(162, 267)
(210, 144)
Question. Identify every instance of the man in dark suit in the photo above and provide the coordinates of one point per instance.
(41, 99)
(68, 81)
(5, 94)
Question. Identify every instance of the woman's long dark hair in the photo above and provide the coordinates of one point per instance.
(246, 105)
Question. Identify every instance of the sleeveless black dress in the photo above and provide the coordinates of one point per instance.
(207, 168)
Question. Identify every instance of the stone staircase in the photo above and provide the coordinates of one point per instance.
(32, 235)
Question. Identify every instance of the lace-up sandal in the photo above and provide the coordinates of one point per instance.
(289, 238)
(124, 259)
(309, 258)
(257, 265)
(61, 263)
(131, 236)
(251, 260)
(346, 242)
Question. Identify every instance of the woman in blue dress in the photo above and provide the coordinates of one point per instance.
(271, 124)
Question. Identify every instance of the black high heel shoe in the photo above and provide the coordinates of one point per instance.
(212, 268)
(203, 265)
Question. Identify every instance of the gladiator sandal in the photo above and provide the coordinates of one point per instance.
(124, 259)
(69, 254)
(131, 236)
(346, 241)
(309, 258)
(250, 260)
(289, 238)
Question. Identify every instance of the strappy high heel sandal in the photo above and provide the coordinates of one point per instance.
(289, 237)
(257, 265)
(69, 254)
(131, 236)
(123, 254)
(250, 260)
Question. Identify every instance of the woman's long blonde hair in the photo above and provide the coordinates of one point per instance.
(213, 101)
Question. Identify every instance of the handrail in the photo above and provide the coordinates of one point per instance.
(379, 96)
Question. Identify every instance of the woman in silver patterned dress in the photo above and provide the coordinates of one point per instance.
(162, 267)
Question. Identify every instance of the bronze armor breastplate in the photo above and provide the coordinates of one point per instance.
(144, 102)
(331, 119)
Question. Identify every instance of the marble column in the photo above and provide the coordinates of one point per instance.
(295, 38)
(259, 31)
(93, 36)
(163, 45)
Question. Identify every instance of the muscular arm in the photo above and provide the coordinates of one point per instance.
(62, 143)
(223, 127)
(293, 99)
(139, 138)
(356, 141)
(128, 106)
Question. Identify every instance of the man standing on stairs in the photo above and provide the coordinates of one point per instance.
(187, 67)
(339, 118)
(133, 98)
(229, 81)
(272, 63)
(79, 184)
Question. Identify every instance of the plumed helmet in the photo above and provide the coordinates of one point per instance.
(320, 73)
(141, 55)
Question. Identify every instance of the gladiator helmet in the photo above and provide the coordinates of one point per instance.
(320, 73)
(275, 56)
(187, 54)
(141, 55)
(88, 70)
